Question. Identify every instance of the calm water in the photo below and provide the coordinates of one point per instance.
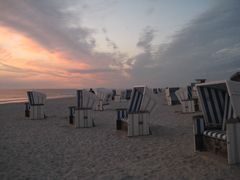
(19, 95)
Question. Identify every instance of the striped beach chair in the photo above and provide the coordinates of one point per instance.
(185, 97)
(103, 98)
(136, 119)
(170, 96)
(35, 107)
(82, 115)
(218, 128)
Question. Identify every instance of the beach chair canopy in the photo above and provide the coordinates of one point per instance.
(170, 92)
(104, 94)
(184, 93)
(220, 101)
(85, 99)
(142, 100)
(36, 98)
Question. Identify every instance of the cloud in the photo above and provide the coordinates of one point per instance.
(111, 43)
(146, 39)
(207, 47)
(91, 71)
(56, 25)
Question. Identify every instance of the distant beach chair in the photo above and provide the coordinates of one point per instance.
(170, 96)
(35, 107)
(118, 95)
(218, 129)
(155, 90)
(185, 97)
(104, 96)
(82, 115)
(128, 93)
(136, 119)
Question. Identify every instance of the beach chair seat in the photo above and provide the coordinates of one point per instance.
(82, 115)
(36, 105)
(218, 128)
(136, 119)
(219, 134)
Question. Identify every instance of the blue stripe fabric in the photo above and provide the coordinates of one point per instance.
(213, 104)
(79, 98)
(30, 98)
(132, 101)
(189, 92)
(217, 106)
(36, 98)
(136, 99)
(199, 126)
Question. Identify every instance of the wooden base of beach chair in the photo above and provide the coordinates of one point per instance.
(199, 145)
(233, 141)
(117, 98)
(119, 124)
(216, 146)
(84, 118)
(124, 126)
(99, 106)
(138, 124)
(37, 112)
(188, 106)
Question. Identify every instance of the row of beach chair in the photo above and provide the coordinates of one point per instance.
(216, 129)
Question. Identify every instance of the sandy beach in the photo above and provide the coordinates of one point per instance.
(51, 149)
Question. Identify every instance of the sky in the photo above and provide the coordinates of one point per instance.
(117, 43)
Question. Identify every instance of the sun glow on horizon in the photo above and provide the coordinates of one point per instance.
(26, 60)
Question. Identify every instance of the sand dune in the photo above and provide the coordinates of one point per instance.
(51, 149)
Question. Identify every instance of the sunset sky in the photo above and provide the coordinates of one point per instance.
(117, 43)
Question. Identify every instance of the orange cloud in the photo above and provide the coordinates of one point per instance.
(24, 59)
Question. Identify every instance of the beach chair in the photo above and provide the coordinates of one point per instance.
(82, 115)
(185, 97)
(218, 128)
(35, 107)
(103, 97)
(128, 94)
(136, 119)
(170, 96)
(155, 90)
(118, 95)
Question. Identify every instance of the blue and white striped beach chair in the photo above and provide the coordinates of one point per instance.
(218, 129)
(185, 97)
(170, 96)
(104, 96)
(128, 94)
(136, 119)
(83, 114)
(36, 105)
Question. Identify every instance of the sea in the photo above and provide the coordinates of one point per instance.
(20, 95)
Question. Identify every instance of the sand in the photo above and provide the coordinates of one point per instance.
(51, 149)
